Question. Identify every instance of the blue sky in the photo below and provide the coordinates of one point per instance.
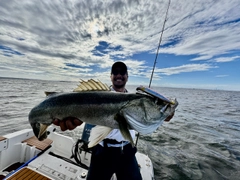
(76, 39)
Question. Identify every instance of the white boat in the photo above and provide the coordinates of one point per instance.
(22, 156)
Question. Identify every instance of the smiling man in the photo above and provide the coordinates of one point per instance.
(114, 151)
(113, 154)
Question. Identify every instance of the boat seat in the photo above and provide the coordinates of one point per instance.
(41, 145)
(27, 174)
(86, 132)
(85, 135)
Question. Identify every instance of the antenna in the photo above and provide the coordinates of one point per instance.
(160, 40)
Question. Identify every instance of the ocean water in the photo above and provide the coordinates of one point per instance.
(202, 141)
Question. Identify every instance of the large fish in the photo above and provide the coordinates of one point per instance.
(141, 112)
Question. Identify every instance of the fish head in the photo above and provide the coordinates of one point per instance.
(39, 122)
(146, 114)
(40, 130)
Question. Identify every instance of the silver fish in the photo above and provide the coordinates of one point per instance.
(124, 111)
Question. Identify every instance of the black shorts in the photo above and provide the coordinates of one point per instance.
(106, 161)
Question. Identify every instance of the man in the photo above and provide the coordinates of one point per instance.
(114, 154)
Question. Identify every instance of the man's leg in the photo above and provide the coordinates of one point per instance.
(128, 168)
(100, 166)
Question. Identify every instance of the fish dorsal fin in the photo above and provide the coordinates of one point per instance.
(91, 85)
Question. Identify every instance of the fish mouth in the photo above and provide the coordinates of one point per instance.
(40, 130)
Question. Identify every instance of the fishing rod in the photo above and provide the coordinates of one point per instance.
(160, 40)
(155, 61)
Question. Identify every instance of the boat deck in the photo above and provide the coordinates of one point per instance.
(41, 145)
(27, 174)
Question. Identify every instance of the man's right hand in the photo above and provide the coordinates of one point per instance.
(68, 123)
(169, 117)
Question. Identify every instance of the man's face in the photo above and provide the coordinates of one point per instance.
(119, 78)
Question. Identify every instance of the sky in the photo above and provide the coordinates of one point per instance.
(69, 40)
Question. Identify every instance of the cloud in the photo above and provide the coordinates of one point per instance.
(72, 39)
(184, 69)
(203, 29)
(222, 76)
(226, 59)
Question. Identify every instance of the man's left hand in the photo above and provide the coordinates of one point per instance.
(69, 123)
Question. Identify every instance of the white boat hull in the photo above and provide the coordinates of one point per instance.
(54, 162)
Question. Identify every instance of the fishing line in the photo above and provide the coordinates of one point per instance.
(155, 61)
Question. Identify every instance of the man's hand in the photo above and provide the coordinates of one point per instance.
(68, 123)
(169, 117)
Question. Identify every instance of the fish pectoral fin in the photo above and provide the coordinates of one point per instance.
(42, 130)
(97, 134)
(123, 127)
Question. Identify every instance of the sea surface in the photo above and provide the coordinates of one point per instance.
(202, 141)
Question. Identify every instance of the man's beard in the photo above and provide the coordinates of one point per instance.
(119, 85)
